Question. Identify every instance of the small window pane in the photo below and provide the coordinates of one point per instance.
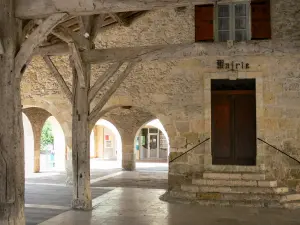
(240, 35)
(223, 35)
(223, 23)
(240, 23)
(223, 11)
(240, 10)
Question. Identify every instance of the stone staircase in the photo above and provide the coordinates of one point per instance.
(235, 189)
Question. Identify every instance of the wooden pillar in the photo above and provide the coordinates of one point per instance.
(11, 132)
(81, 143)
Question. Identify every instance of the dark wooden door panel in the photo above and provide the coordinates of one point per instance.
(233, 127)
(221, 143)
(245, 129)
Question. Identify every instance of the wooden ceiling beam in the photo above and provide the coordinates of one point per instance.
(42, 8)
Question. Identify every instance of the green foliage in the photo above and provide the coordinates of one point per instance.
(46, 136)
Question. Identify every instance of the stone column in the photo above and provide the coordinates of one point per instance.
(99, 149)
(11, 132)
(128, 153)
(37, 118)
(81, 143)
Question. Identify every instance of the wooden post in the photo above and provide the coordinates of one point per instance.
(11, 132)
(81, 143)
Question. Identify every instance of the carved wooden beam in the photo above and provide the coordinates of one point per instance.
(34, 40)
(191, 50)
(119, 19)
(101, 81)
(180, 51)
(78, 64)
(93, 117)
(53, 50)
(42, 8)
(59, 78)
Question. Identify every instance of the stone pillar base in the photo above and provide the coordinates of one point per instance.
(128, 162)
(82, 204)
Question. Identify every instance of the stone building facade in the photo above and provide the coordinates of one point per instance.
(178, 91)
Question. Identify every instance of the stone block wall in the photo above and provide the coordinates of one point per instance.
(175, 91)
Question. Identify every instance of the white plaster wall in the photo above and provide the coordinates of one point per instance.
(59, 144)
(28, 145)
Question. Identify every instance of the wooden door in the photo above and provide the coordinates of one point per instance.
(233, 127)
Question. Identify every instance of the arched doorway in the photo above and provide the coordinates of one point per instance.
(152, 142)
(105, 145)
(53, 146)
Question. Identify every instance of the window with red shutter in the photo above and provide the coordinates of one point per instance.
(260, 19)
(204, 23)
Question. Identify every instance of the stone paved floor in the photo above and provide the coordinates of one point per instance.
(138, 206)
(47, 195)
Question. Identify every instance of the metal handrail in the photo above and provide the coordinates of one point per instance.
(189, 150)
(279, 150)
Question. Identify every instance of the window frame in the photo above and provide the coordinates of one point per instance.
(231, 5)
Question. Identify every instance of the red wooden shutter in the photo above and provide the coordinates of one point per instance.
(261, 19)
(204, 23)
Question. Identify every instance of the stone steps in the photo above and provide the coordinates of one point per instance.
(248, 202)
(236, 190)
(234, 176)
(235, 183)
(290, 198)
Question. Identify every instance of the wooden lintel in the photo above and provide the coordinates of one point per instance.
(42, 8)
(101, 81)
(59, 78)
(119, 19)
(93, 117)
(78, 64)
(34, 40)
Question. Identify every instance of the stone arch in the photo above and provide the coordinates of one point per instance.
(63, 117)
(98, 131)
(128, 120)
(159, 126)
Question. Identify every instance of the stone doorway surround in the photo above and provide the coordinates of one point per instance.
(233, 75)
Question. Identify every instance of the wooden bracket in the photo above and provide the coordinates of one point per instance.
(59, 78)
(78, 64)
(97, 109)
